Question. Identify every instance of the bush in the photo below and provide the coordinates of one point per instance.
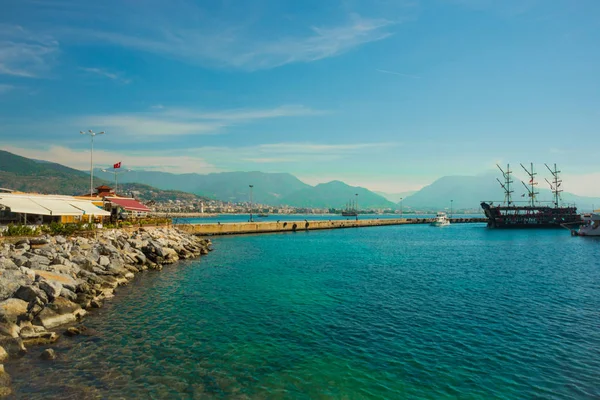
(21, 230)
(58, 228)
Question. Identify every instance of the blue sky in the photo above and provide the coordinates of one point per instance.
(386, 94)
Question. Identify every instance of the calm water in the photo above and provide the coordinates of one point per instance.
(381, 313)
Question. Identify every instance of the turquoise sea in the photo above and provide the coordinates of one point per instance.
(390, 312)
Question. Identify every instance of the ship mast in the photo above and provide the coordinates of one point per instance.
(555, 184)
(506, 184)
(532, 183)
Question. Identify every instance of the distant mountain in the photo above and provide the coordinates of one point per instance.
(468, 191)
(268, 188)
(395, 197)
(336, 194)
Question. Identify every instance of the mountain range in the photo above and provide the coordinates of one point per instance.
(459, 192)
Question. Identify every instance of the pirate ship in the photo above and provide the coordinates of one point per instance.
(533, 214)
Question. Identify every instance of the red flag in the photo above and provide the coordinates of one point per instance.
(117, 165)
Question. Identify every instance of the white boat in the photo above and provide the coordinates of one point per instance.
(440, 220)
(591, 225)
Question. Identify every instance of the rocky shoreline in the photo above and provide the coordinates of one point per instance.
(49, 281)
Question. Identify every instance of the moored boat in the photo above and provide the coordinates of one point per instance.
(534, 214)
(441, 219)
(590, 227)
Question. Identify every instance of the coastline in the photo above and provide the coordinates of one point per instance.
(52, 281)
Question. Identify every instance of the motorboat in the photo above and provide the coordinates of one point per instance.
(590, 226)
(441, 219)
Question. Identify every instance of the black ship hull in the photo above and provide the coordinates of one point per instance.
(349, 214)
(516, 217)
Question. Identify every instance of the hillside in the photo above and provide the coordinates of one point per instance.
(24, 174)
(27, 175)
(336, 194)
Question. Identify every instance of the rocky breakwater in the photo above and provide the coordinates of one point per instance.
(50, 281)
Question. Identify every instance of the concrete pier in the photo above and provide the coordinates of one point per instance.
(237, 228)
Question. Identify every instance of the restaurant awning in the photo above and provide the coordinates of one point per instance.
(88, 208)
(23, 205)
(57, 206)
(128, 204)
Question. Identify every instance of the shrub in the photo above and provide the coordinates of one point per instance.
(21, 230)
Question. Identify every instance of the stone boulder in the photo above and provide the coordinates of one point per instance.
(59, 312)
(3, 354)
(31, 294)
(11, 309)
(36, 335)
(52, 288)
(11, 280)
(48, 354)
(64, 280)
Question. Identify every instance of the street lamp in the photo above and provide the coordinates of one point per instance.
(92, 134)
(400, 207)
(251, 186)
(356, 205)
(451, 201)
(114, 171)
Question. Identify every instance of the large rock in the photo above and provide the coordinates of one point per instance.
(48, 354)
(11, 309)
(3, 354)
(11, 280)
(63, 279)
(59, 312)
(36, 261)
(52, 288)
(31, 294)
(36, 335)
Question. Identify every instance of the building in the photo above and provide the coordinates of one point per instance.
(31, 208)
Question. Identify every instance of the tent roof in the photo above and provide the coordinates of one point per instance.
(57, 206)
(23, 205)
(88, 207)
(128, 204)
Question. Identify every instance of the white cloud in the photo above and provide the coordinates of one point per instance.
(110, 75)
(5, 88)
(25, 54)
(162, 121)
(80, 159)
(238, 48)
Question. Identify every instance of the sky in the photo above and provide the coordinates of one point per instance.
(385, 94)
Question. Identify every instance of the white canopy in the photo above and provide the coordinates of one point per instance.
(23, 205)
(88, 208)
(57, 206)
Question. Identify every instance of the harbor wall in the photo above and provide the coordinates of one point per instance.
(234, 228)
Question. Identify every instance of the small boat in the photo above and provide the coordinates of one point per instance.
(440, 220)
(590, 227)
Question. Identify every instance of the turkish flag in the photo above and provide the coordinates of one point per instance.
(117, 165)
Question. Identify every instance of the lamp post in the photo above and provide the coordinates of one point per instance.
(92, 134)
(114, 171)
(451, 201)
(400, 207)
(356, 204)
(251, 186)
